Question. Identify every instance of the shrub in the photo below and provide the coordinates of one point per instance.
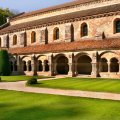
(32, 81)
(4, 63)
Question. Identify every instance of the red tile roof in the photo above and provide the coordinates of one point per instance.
(76, 2)
(80, 14)
(71, 46)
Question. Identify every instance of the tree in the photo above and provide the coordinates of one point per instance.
(4, 13)
(4, 63)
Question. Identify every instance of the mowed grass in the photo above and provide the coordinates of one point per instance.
(30, 106)
(19, 78)
(85, 84)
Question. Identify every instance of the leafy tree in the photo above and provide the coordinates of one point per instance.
(4, 63)
(4, 13)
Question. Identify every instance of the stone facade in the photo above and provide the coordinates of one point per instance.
(99, 62)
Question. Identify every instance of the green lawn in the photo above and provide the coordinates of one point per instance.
(30, 106)
(19, 78)
(85, 84)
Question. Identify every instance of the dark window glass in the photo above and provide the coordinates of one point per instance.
(85, 30)
(57, 34)
(118, 26)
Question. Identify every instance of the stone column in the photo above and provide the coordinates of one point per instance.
(19, 64)
(94, 65)
(108, 67)
(27, 66)
(51, 65)
(71, 65)
(55, 69)
(99, 64)
(33, 64)
(76, 72)
(94, 69)
(43, 65)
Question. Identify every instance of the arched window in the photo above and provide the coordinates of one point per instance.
(84, 30)
(15, 40)
(56, 33)
(33, 37)
(0, 41)
(117, 26)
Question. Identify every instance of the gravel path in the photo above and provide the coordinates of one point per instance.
(20, 86)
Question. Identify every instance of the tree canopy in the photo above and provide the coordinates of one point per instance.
(4, 13)
(4, 63)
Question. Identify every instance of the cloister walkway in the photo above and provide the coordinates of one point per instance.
(20, 86)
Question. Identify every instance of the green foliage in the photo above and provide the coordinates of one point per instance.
(4, 63)
(32, 81)
(4, 13)
(0, 79)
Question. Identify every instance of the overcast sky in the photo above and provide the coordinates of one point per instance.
(29, 5)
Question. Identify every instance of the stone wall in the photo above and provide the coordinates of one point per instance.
(96, 27)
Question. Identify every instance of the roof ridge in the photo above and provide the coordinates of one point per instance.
(80, 14)
(51, 8)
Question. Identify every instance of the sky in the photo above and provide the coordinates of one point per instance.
(29, 5)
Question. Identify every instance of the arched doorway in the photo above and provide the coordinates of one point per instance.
(46, 65)
(84, 65)
(103, 65)
(24, 66)
(29, 66)
(62, 65)
(11, 66)
(15, 66)
(40, 67)
(114, 66)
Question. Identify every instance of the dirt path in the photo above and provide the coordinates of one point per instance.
(20, 86)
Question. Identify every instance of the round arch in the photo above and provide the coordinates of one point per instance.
(107, 52)
(114, 66)
(84, 29)
(84, 65)
(116, 25)
(62, 66)
(15, 39)
(103, 65)
(56, 33)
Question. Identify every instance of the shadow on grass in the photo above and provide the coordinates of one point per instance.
(44, 113)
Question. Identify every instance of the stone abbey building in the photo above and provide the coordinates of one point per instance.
(79, 38)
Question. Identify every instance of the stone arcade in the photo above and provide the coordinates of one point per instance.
(80, 38)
